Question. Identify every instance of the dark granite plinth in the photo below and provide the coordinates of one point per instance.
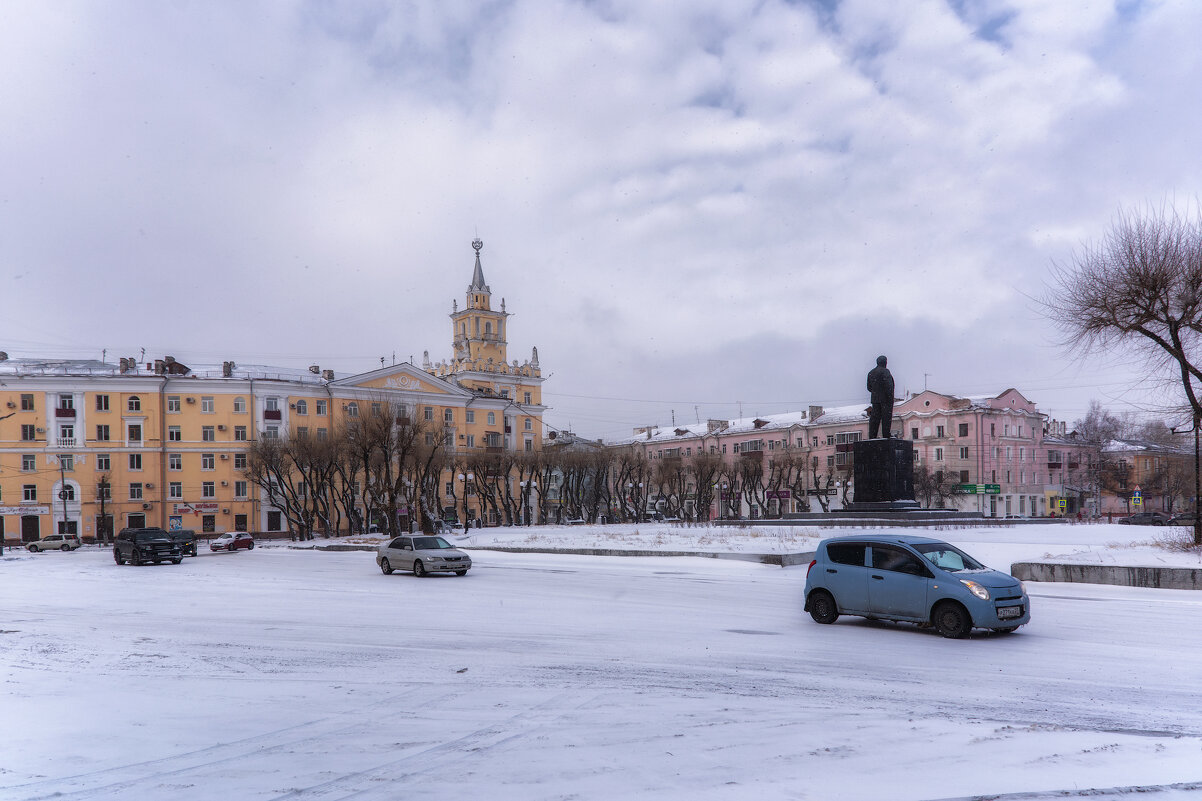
(883, 475)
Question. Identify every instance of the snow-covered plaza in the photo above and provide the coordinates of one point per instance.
(293, 674)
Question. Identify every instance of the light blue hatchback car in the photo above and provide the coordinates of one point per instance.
(914, 579)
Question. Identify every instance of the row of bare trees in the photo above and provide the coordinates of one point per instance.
(392, 471)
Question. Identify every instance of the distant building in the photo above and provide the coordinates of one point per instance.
(994, 454)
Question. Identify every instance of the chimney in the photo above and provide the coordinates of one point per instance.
(815, 413)
(328, 375)
(227, 369)
(159, 367)
(315, 369)
(3, 356)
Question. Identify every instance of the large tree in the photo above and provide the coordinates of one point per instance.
(1139, 287)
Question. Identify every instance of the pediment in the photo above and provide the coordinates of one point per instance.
(404, 378)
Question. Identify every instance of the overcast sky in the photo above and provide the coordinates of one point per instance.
(692, 208)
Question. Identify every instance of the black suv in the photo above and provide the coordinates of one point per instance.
(186, 540)
(142, 545)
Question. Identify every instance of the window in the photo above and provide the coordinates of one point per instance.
(963, 429)
(376, 408)
(206, 404)
(102, 403)
(272, 404)
(173, 404)
(529, 445)
(448, 416)
(914, 432)
(529, 424)
(964, 452)
(886, 557)
(322, 433)
(134, 432)
(963, 476)
(175, 490)
(302, 407)
(939, 454)
(239, 461)
(26, 402)
(67, 462)
(208, 489)
(105, 491)
(352, 409)
(492, 418)
(135, 461)
(175, 461)
(470, 415)
(135, 491)
(240, 523)
(103, 462)
(993, 429)
(29, 432)
(239, 489)
(208, 434)
(133, 403)
(66, 401)
(1022, 454)
(428, 413)
(66, 432)
(320, 407)
(471, 440)
(29, 492)
(102, 433)
(174, 434)
(302, 432)
(240, 433)
(207, 461)
(526, 398)
(939, 431)
(239, 405)
(271, 432)
(846, 553)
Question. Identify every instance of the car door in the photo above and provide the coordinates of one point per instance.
(847, 576)
(404, 552)
(897, 583)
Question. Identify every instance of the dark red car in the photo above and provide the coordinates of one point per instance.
(233, 541)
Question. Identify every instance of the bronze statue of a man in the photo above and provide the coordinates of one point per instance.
(880, 385)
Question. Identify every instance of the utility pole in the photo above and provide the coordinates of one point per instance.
(62, 492)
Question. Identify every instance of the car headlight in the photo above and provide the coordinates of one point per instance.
(976, 589)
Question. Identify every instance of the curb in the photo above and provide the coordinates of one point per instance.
(779, 559)
(1162, 578)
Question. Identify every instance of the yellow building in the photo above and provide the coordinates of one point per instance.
(89, 446)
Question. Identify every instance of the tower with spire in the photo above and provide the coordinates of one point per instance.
(479, 346)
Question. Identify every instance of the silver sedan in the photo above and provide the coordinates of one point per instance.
(422, 554)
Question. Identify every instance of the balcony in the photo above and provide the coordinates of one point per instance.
(752, 456)
(1055, 465)
(64, 442)
(273, 414)
(64, 413)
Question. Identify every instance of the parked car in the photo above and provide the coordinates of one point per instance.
(186, 540)
(56, 542)
(1145, 519)
(914, 579)
(422, 553)
(141, 545)
(233, 541)
(1187, 519)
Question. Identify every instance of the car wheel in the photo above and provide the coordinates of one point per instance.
(385, 567)
(419, 569)
(461, 572)
(951, 620)
(822, 607)
(117, 557)
(65, 548)
(250, 547)
(33, 549)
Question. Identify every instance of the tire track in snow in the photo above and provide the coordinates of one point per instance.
(289, 737)
(381, 779)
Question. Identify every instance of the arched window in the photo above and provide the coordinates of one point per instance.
(302, 407)
(352, 409)
(134, 404)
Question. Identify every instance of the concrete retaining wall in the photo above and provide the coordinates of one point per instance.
(1165, 578)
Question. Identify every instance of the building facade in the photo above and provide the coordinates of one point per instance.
(997, 455)
(91, 447)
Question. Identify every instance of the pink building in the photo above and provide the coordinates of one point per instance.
(997, 455)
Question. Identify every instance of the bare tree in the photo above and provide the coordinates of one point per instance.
(935, 488)
(705, 468)
(1139, 287)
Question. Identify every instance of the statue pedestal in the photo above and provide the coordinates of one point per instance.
(884, 476)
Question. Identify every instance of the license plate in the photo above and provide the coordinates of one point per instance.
(1007, 612)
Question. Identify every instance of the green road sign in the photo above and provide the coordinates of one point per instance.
(979, 489)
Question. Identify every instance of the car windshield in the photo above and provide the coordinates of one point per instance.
(948, 557)
(430, 543)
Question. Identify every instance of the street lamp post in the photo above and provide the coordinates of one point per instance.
(466, 478)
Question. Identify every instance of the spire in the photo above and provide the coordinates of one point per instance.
(478, 284)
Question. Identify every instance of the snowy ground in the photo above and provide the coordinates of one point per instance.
(290, 674)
